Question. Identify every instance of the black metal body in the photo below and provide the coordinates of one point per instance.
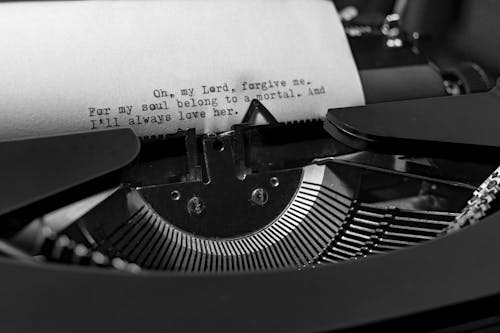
(460, 268)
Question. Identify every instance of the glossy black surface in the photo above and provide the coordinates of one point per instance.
(462, 123)
(36, 174)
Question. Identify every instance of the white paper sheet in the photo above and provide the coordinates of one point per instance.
(160, 66)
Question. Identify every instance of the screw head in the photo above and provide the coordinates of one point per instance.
(260, 196)
(175, 195)
(274, 181)
(195, 206)
(218, 145)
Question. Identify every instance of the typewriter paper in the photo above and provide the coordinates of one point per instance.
(160, 66)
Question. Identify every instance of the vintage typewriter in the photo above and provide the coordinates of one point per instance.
(360, 220)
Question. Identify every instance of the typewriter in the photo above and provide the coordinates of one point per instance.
(379, 217)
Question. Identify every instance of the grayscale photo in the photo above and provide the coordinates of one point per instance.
(249, 166)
